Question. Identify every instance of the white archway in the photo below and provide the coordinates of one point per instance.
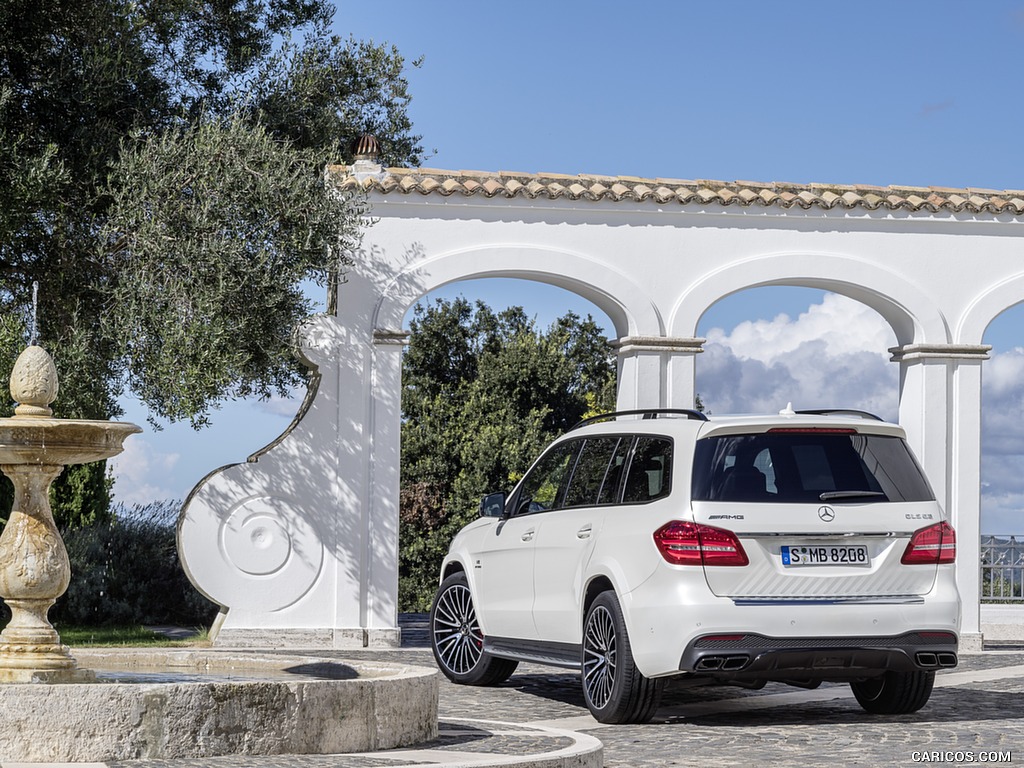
(988, 305)
(612, 290)
(654, 255)
(913, 318)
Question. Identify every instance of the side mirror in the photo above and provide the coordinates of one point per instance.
(493, 505)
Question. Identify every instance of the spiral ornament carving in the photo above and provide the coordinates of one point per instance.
(265, 539)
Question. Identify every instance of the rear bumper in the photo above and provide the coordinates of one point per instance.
(672, 610)
(750, 656)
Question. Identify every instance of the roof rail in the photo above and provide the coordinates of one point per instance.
(646, 413)
(841, 412)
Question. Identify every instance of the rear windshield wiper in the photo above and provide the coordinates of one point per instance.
(832, 495)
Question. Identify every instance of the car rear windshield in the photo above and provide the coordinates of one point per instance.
(807, 466)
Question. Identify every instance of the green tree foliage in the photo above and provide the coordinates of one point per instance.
(483, 393)
(162, 179)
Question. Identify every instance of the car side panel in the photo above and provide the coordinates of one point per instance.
(502, 555)
(625, 552)
(564, 544)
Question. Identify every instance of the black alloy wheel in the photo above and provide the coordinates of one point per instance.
(457, 640)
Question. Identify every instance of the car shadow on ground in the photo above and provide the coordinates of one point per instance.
(560, 687)
(946, 705)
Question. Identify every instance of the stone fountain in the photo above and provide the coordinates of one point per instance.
(34, 567)
(179, 703)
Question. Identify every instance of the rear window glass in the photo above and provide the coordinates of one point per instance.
(791, 467)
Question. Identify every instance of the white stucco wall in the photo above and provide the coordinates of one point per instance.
(301, 546)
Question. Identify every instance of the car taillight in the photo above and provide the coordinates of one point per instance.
(685, 543)
(931, 546)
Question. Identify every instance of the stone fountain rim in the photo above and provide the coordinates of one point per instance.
(53, 421)
(103, 722)
(216, 660)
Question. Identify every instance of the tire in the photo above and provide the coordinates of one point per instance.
(614, 689)
(894, 693)
(456, 639)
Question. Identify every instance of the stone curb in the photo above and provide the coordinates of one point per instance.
(537, 747)
(462, 743)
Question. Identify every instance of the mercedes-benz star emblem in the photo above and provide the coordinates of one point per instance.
(827, 514)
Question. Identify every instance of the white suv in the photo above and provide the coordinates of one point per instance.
(801, 548)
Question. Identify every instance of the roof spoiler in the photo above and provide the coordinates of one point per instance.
(841, 412)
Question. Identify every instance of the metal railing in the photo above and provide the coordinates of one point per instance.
(1002, 569)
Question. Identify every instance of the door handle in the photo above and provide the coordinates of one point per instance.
(528, 535)
(584, 532)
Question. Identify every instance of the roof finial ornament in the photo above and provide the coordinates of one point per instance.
(365, 154)
(366, 148)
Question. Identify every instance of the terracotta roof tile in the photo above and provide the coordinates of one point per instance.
(509, 184)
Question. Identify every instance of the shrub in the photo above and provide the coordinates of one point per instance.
(126, 571)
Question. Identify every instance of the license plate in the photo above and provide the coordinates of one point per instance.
(831, 554)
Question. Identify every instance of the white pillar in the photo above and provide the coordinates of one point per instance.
(379, 600)
(682, 372)
(656, 372)
(940, 407)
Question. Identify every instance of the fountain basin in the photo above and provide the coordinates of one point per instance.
(60, 441)
(305, 705)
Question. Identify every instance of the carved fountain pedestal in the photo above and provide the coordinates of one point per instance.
(34, 567)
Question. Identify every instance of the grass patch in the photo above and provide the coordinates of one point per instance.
(135, 636)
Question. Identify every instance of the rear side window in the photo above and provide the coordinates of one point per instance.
(591, 473)
(809, 466)
(650, 471)
(613, 480)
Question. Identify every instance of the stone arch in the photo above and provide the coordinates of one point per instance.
(988, 305)
(912, 315)
(630, 309)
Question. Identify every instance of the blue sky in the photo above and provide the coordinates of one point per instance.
(904, 93)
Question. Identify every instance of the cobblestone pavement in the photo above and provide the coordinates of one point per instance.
(975, 715)
(975, 710)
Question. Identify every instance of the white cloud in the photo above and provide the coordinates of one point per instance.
(140, 472)
(1002, 443)
(1003, 405)
(1001, 513)
(1004, 373)
(833, 355)
(840, 324)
